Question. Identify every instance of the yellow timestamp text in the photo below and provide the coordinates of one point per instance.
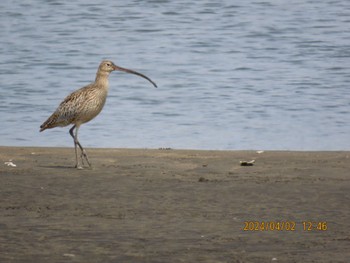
(284, 226)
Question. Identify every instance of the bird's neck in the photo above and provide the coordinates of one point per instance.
(102, 79)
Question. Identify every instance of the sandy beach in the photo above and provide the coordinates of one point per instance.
(164, 205)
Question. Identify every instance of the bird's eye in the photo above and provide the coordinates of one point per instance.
(108, 64)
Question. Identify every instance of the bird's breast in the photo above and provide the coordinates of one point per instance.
(93, 104)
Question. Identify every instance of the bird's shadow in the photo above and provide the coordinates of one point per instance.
(57, 167)
(62, 167)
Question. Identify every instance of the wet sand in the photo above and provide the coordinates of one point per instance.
(139, 205)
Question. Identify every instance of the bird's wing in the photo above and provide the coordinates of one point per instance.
(71, 106)
(68, 111)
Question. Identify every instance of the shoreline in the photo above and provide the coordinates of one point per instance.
(165, 205)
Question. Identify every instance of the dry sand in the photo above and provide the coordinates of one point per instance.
(140, 205)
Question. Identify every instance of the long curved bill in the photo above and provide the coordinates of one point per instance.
(134, 72)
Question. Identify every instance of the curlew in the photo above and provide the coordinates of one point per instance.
(83, 105)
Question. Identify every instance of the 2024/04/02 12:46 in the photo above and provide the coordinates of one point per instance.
(284, 226)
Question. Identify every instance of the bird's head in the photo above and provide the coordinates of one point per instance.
(108, 66)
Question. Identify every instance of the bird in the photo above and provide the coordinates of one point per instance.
(84, 104)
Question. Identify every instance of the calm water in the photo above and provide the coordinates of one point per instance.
(252, 75)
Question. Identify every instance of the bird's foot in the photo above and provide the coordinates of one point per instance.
(84, 156)
(81, 166)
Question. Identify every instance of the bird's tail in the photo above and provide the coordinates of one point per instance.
(49, 123)
(43, 127)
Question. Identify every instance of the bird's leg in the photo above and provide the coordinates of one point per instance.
(82, 157)
(83, 152)
(71, 132)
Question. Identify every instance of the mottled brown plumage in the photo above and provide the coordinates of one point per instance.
(85, 104)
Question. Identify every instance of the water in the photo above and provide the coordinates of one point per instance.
(231, 74)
